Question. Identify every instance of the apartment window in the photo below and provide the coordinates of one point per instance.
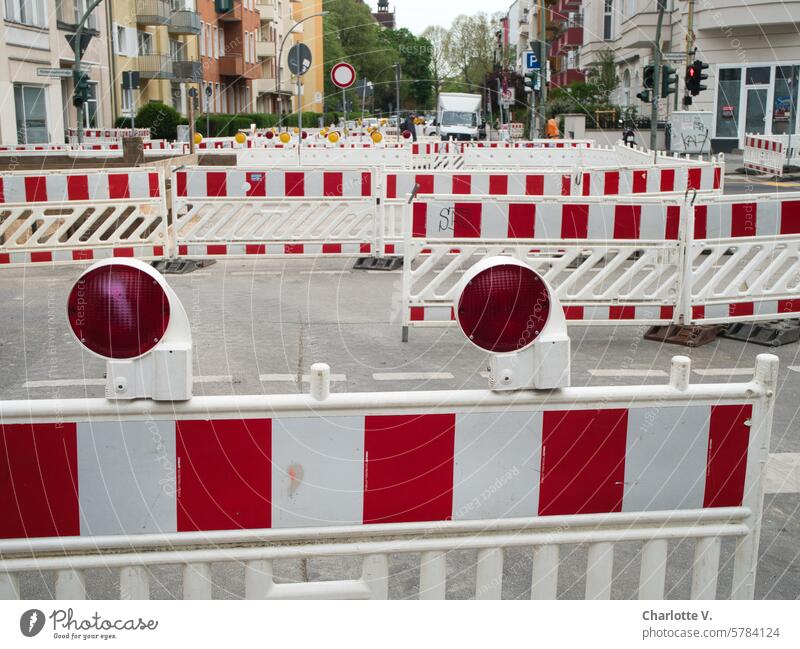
(80, 8)
(144, 41)
(608, 16)
(215, 41)
(30, 103)
(90, 111)
(221, 35)
(27, 12)
(177, 95)
(218, 97)
(202, 38)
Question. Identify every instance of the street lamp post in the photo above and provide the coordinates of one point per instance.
(280, 60)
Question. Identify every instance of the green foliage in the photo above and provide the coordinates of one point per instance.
(603, 74)
(582, 98)
(163, 120)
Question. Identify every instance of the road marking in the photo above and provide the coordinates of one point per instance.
(272, 273)
(628, 373)
(384, 272)
(324, 272)
(412, 376)
(292, 378)
(782, 474)
(68, 383)
(725, 371)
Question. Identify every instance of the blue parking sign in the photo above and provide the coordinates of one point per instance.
(531, 61)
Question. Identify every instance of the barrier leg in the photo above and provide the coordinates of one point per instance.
(405, 334)
(197, 581)
(70, 584)
(490, 574)
(432, 575)
(9, 586)
(545, 572)
(134, 583)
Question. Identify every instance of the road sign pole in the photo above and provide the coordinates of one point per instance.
(299, 102)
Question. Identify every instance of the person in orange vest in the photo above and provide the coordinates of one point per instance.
(552, 128)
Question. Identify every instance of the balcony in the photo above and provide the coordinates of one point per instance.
(567, 40)
(152, 12)
(187, 71)
(638, 31)
(755, 15)
(232, 16)
(264, 86)
(155, 66)
(233, 65)
(266, 11)
(563, 7)
(265, 49)
(184, 22)
(565, 77)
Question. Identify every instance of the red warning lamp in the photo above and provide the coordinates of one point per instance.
(507, 309)
(124, 311)
(118, 311)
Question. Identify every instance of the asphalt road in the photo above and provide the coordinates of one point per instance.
(258, 326)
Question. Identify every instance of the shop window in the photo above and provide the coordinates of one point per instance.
(729, 84)
(757, 76)
(784, 109)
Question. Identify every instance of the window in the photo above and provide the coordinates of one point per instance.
(202, 39)
(145, 43)
(80, 8)
(177, 96)
(215, 42)
(608, 16)
(127, 104)
(176, 50)
(729, 88)
(221, 34)
(784, 111)
(758, 76)
(30, 103)
(90, 107)
(27, 12)
(218, 98)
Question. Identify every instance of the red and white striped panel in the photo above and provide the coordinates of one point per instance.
(760, 218)
(652, 313)
(80, 254)
(272, 249)
(493, 219)
(763, 143)
(239, 183)
(735, 311)
(135, 477)
(88, 186)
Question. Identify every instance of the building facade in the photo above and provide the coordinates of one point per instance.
(228, 33)
(566, 39)
(311, 33)
(157, 39)
(752, 49)
(275, 18)
(34, 40)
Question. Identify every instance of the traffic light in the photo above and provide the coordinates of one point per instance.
(530, 80)
(669, 80)
(695, 77)
(81, 93)
(687, 101)
(649, 76)
(644, 95)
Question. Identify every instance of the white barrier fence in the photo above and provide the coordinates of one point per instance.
(769, 154)
(623, 260)
(265, 478)
(77, 217)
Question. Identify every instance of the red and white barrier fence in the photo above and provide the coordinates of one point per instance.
(78, 217)
(269, 212)
(743, 262)
(644, 459)
(769, 154)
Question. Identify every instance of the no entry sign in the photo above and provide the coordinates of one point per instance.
(343, 75)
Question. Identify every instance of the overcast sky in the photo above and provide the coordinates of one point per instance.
(416, 15)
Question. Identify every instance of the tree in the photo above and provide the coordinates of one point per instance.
(414, 54)
(469, 48)
(440, 68)
(603, 74)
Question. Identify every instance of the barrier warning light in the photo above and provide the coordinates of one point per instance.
(507, 309)
(124, 311)
(240, 138)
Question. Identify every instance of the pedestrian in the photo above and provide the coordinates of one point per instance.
(552, 128)
(409, 126)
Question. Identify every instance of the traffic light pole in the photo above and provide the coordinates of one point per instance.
(543, 66)
(77, 67)
(662, 5)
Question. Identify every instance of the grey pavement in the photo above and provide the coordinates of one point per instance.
(252, 320)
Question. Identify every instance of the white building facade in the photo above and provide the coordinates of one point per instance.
(752, 48)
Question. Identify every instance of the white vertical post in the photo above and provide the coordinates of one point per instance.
(320, 381)
(544, 584)
(9, 585)
(375, 573)
(197, 581)
(258, 579)
(746, 554)
(433, 575)
(599, 570)
(680, 372)
(134, 583)
(489, 582)
(683, 309)
(705, 568)
(70, 584)
(653, 570)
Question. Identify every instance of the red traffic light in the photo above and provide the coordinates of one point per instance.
(504, 308)
(692, 71)
(118, 311)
